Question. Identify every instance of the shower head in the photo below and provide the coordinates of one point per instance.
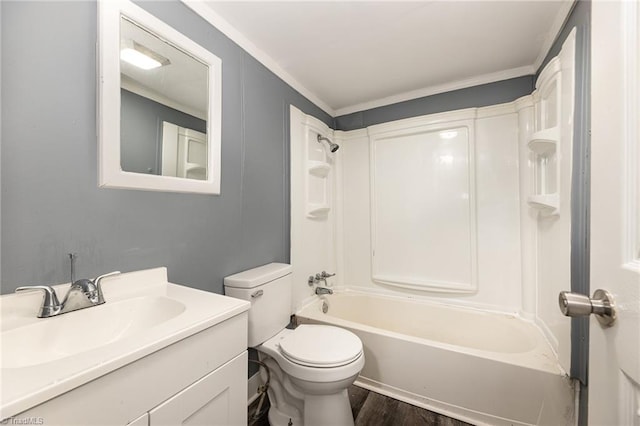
(333, 147)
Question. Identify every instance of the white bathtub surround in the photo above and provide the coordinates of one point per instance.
(528, 216)
(313, 203)
(477, 366)
(487, 264)
(554, 113)
(470, 209)
(489, 243)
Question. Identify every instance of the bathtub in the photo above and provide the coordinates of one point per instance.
(479, 367)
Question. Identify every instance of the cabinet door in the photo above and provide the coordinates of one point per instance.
(219, 398)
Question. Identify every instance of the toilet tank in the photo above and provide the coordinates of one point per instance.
(268, 288)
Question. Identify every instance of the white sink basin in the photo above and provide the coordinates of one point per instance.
(41, 358)
(50, 339)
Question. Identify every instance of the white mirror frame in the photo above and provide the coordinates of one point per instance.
(110, 173)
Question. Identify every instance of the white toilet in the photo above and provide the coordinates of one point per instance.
(311, 366)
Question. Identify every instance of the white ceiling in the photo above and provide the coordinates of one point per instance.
(352, 55)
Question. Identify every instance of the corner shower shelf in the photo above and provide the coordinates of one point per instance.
(317, 210)
(548, 203)
(318, 168)
(544, 144)
(318, 182)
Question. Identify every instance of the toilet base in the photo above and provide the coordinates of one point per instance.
(278, 418)
(322, 410)
(319, 410)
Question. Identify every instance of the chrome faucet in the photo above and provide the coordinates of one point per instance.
(323, 290)
(322, 276)
(83, 293)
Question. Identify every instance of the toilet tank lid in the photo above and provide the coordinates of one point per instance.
(258, 276)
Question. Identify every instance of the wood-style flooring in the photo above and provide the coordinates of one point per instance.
(372, 409)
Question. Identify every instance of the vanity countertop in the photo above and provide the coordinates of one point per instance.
(43, 358)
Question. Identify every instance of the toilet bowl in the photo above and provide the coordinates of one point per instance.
(332, 364)
(317, 378)
(310, 366)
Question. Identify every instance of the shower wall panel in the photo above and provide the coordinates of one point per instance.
(496, 223)
(313, 204)
(423, 199)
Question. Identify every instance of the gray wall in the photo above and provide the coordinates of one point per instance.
(51, 203)
(477, 96)
(141, 131)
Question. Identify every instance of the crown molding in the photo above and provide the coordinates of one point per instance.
(554, 32)
(200, 7)
(442, 88)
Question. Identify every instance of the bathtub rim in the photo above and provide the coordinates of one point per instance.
(444, 298)
(542, 357)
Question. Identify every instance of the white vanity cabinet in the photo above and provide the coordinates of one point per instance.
(213, 400)
(216, 399)
(199, 380)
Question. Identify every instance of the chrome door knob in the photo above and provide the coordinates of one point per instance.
(579, 305)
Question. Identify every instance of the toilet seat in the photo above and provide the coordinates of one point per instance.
(321, 346)
(324, 374)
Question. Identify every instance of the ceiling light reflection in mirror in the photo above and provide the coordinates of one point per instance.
(162, 87)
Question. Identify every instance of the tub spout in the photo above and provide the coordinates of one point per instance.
(323, 290)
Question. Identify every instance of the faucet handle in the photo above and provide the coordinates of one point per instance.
(325, 275)
(50, 304)
(97, 280)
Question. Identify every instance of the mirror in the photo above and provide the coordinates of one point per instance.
(163, 106)
(159, 105)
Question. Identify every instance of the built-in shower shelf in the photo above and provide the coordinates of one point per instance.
(545, 142)
(317, 210)
(318, 178)
(544, 145)
(546, 203)
(318, 168)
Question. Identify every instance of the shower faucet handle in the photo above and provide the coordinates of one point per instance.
(320, 276)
